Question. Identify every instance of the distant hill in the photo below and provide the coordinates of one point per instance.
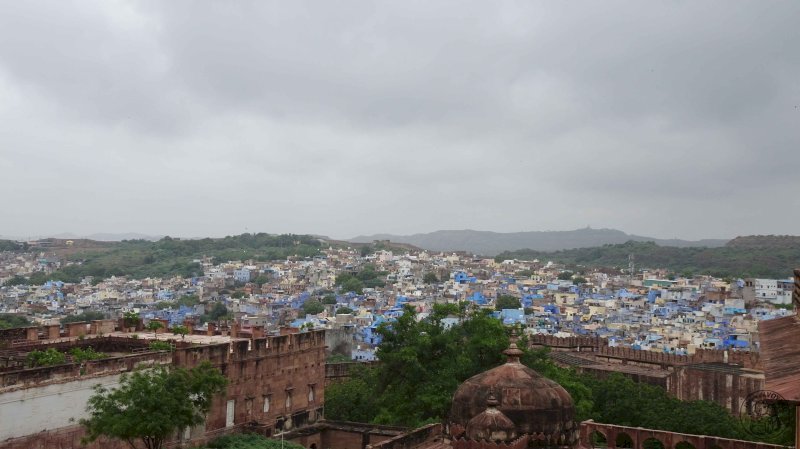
(109, 237)
(491, 243)
(168, 256)
(750, 256)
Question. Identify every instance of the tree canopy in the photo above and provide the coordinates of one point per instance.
(50, 356)
(507, 302)
(422, 364)
(313, 307)
(430, 278)
(85, 316)
(249, 441)
(752, 256)
(349, 283)
(150, 405)
(10, 321)
(176, 257)
(218, 312)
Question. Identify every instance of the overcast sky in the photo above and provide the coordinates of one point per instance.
(668, 119)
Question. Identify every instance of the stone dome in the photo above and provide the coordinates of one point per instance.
(536, 405)
(491, 424)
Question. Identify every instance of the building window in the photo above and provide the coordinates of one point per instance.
(266, 403)
(288, 400)
(310, 394)
(229, 413)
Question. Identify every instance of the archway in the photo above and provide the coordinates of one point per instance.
(597, 439)
(652, 443)
(684, 445)
(624, 441)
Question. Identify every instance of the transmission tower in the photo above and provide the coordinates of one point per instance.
(631, 266)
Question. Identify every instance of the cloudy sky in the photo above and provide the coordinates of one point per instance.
(669, 119)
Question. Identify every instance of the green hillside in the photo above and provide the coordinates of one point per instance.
(169, 257)
(10, 245)
(752, 256)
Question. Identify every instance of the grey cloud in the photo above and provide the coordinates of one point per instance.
(348, 118)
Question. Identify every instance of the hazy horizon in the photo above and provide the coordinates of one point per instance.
(669, 119)
(68, 234)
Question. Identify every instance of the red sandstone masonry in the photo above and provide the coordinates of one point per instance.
(747, 359)
(413, 439)
(669, 439)
(286, 369)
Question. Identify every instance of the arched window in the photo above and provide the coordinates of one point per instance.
(624, 441)
(652, 443)
(597, 439)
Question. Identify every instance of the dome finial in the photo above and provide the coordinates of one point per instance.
(513, 352)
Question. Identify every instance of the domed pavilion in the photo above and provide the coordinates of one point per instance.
(512, 406)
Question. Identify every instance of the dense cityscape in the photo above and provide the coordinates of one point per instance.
(346, 288)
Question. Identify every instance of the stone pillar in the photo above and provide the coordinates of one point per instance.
(76, 329)
(32, 334)
(164, 325)
(211, 328)
(53, 331)
(258, 332)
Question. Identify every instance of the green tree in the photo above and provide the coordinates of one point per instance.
(188, 300)
(16, 280)
(354, 400)
(507, 302)
(183, 331)
(565, 275)
(430, 278)
(48, 357)
(261, 280)
(329, 298)
(312, 307)
(218, 312)
(130, 319)
(344, 310)
(349, 283)
(579, 280)
(422, 362)
(158, 345)
(249, 441)
(80, 355)
(10, 321)
(154, 326)
(85, 316)
(151, 405)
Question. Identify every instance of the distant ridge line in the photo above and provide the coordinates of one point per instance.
(492, 243)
